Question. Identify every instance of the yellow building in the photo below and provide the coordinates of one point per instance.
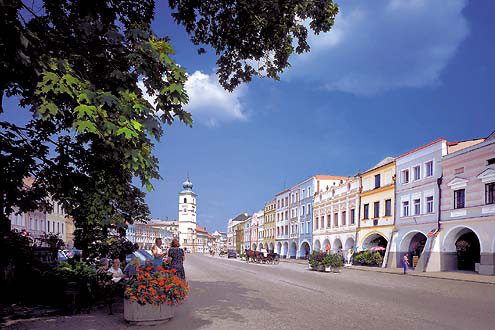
(269, 212)
(377, 205)
(69, 232)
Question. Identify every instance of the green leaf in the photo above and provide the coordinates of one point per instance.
(128, 133)
(84, 110)
(85, 125)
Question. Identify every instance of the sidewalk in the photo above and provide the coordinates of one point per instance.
(454, 276)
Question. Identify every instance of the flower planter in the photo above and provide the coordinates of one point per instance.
(328, 269)
(321, 268)
(310, 267)
(147, 314)
(336, 269)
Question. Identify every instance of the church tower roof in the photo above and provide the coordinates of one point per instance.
(187, 185)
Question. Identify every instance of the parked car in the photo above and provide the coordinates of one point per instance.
(231, 254)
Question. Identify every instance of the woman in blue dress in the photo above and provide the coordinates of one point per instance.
(176, 257)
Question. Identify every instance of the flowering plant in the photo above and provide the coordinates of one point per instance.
(159, 287)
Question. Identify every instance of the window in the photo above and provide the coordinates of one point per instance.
(417, 206)
(376, 209)
(388, 207)
(329, 221)
(459, 198)
(417, 172)
(185, 200)
(303, 210)
(405, 176)
(322, 222)
(48, 222)
(336, 220)
(309, 191)
(377, 181)
(405, 208)
(490, 161)
(353, 212)
(490, 193)
(429, 168)
(302, 195)
(309, 209)
(429, 204)
(278, 203)
(307, 228)
(343, 218)
(317, 222)
(366, 211)
(286, 201)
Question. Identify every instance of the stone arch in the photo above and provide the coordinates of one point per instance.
(407, 238)
(337, 245)
(467, 245)
(349, 243)
(304, 249)
(293, 250)
(448, 244)
(279, 248)
(271, 247)
(375, 238)
(326, 243)
(317, 245)
(285, 249)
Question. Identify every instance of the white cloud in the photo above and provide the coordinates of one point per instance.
(209, 103)
(376, 46)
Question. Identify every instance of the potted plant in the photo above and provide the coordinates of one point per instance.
(327, 262)
(320, 256)
(337, 262)
(150, 298)
(312, 263)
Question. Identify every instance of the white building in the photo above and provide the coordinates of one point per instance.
(336, 216)
(187, 216)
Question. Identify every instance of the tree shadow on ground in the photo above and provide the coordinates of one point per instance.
(207, 302)
(219, 300)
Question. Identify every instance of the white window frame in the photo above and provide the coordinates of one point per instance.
(426, 168)
(417, 209)
(414, 172)
(432, 204)
(403, 209)
(408, 176)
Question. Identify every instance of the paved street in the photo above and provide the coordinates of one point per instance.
(230, 294)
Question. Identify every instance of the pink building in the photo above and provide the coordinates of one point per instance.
(467, 206)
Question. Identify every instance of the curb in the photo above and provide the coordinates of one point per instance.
(426, 276)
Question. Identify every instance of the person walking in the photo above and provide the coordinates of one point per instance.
(405, 263)
(158, 254)
(177, 257)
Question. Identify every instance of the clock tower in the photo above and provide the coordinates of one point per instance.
(187, 217)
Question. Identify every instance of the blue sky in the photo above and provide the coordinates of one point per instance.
(391, 76)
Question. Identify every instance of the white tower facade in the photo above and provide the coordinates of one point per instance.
(187, 217)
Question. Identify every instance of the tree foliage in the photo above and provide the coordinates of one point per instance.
(76, 65)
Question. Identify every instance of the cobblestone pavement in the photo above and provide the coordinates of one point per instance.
(230, 294)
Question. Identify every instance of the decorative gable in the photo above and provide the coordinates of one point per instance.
(457, 183)
(487, 175)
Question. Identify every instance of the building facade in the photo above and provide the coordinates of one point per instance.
(467, 206)
(377, 206)
(336, 215)
(232, 239)
(269, 212)
(418, 175)
(282, 223)
(247, 233)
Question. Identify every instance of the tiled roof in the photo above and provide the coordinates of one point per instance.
(331, 177)
(198, 228)
(422, 147)
(385, 161)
